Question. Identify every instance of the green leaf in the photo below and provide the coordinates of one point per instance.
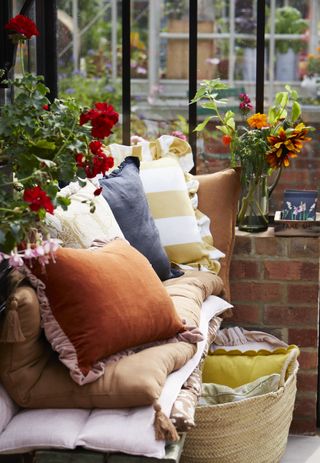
(52, 188)
(272, 115)
(42, 213)
(45, 145)
(229, 114)
(80, 181)
(223, 129)
(279, 98)
(231, 123)
(296, 111)
(81, 174)
(199, 94)
(210, 105)
(203, 124)
(63, 202)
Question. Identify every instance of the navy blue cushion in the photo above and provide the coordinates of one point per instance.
(123, 191)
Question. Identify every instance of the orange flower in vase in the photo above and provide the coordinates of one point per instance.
(260, 144)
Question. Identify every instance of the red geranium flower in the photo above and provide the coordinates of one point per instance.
(102, 119)
(95, 146)
(100, 164)
(80, 158)
(23, 26)
(101, 126)
(38, 199)
(88, 116)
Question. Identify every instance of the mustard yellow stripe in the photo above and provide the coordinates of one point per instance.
(208, 241)
(137, 151)
(180, 147)
(167, 204)
(193, 254)
(186, 253)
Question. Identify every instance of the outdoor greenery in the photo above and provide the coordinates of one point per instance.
(289, 21)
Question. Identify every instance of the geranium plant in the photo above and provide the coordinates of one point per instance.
(41, 145)
(260, 143)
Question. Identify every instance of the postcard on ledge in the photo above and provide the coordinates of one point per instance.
(299, 205)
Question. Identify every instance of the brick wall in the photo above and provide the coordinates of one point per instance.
(303, 172)
(274, 288)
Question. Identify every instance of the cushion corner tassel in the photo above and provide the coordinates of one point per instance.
(164, 428)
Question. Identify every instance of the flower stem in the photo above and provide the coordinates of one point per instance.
(245, 201)
(6, 209)
(20, 180)
(66, 140)
(21, 57)
(249, 198)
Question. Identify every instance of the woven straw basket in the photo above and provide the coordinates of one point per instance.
(253, 430)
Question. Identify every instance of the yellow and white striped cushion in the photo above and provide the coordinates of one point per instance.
(164, 146)
(167, 193)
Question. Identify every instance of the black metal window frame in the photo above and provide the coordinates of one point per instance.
(46, 18)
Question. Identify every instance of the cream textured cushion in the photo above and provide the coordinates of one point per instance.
(77, 227)
(213, 394)
(168, 197)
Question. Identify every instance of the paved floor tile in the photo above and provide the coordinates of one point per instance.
(302, 449)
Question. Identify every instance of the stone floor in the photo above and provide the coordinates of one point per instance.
(302, 449)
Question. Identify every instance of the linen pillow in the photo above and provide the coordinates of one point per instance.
(77, 227)
(167, 194)
(213, 394)
(122, 304)
(123, 191)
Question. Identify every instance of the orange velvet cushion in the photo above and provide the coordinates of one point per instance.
(102, 302)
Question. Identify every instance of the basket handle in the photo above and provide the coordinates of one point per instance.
(289, 366)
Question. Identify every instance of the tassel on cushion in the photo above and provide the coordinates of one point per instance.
(164, 428)
(11, 328)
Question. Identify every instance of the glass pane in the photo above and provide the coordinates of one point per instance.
(294, 58)
(89, 53)
(233, 60)
(29, 48)
(159, 67)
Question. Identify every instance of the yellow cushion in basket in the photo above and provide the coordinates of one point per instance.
(234, 368)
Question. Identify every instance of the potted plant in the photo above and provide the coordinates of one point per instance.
(288, 21)
(41, 144)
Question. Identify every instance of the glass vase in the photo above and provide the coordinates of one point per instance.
(254, 204)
